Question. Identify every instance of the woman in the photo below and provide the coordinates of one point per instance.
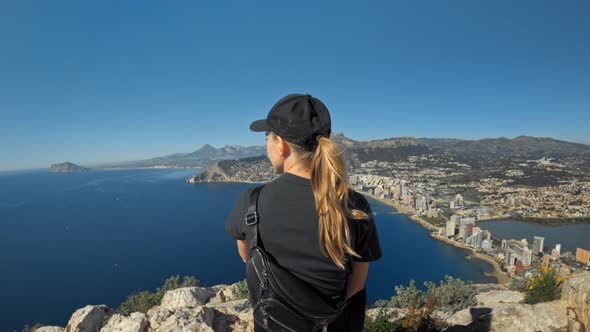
(305, 224)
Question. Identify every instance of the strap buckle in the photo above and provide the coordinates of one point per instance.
(251, 218)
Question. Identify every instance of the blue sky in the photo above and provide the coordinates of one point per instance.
(98, 81)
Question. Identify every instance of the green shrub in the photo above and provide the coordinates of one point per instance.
(383, 322)
(420, 318)
(406, 297)
(241, 290)
(380, 304)
(452, 295)
(143, 301)
(518, 284)
(543, 286)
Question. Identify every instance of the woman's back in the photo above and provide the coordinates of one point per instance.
(289, 232)
(310, 222)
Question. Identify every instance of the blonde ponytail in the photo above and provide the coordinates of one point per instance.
(330, 189)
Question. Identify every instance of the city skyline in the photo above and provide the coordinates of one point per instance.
(91, 83)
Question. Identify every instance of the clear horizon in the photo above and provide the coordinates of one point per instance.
(104, 82)
(95, 163)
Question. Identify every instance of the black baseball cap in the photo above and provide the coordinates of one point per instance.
(298, 118)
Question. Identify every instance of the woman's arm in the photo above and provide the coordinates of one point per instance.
(243, 250)
(356, 280)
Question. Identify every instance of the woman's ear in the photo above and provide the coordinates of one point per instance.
(283, 147)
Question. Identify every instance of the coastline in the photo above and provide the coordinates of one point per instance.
(404, 210)
(502, 278)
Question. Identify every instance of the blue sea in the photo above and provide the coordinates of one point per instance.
(72, 239)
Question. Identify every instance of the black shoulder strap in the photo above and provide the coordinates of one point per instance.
(251, 218)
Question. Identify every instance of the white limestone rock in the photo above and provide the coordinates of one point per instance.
(88, 319)
(222, 293)
(50, 329)
(186, 297)
(497, 297)
(185, 319)
(576, 293)
(462, 317)
(541, 317)
(234, 316)
(158, 315)
(136, 322)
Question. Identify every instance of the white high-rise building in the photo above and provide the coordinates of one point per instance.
(527, 256)
(402, 190)
(538, 244)
(450, 229)
(477, 242)
(558, 249)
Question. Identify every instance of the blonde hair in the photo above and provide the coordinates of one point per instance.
(330, 189)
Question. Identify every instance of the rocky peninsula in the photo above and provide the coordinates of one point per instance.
(249, 170)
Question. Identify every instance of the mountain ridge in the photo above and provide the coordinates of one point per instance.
(521, 145)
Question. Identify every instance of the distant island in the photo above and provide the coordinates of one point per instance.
(67, 167)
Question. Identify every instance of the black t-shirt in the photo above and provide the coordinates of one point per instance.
(289, 231)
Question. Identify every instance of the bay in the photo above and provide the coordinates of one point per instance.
(72, 239)
(569, 236)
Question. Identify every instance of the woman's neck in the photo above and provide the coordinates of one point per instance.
(300, 169)
(302, 173)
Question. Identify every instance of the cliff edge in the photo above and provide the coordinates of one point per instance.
(217, 309)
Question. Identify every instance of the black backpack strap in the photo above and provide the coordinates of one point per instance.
(251, 218)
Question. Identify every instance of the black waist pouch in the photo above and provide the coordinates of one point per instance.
(281, 301)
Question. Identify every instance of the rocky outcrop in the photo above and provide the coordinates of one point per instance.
(216, 309)
(136, 322)
(189, 319)
(88, 319)
(186, 297)
(498, 297)
(576, 293)
(504, 311)
(50, 329)
(541, 317)
(486, 301)
(234, 316)
(195, 309)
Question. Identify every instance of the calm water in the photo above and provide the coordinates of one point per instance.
(570, 236)
(68, 240)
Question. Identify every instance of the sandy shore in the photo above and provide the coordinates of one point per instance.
(500, 276)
